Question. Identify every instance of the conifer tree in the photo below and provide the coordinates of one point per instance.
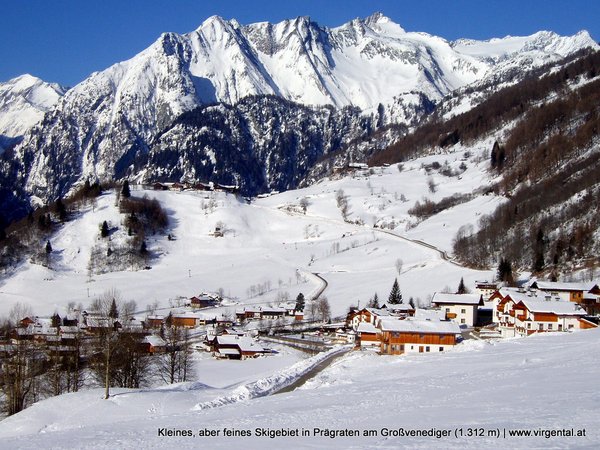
(395, 297)
(48, 247)
(505, 271)
(300, 302)
(125, 191)
(104, 232)
(61, 210)
(113, 313)
(462, 289)
(374, 303)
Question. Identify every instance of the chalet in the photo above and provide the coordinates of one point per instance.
(486, 289)
(70, 320)
(268, 312)
(520, 316)
(591, 303)
(185, 319)
(222, 321)
(231, 189)
(499, 298)
(248, 314)
(203, 186)
(25, 322)
(153, 344)
(236, 347)
(160, 187)
(232, 332)
(417, 336)
(273, 312)
(203, 301)
(368, 315)
(430, 314)
(585, 294)
(461, 308)
(97, 324)
(154, 321)
(368, 336)
(401, 310)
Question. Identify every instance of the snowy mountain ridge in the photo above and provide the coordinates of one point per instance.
(23, 102)
(105, 126)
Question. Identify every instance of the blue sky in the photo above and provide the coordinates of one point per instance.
(65, 40)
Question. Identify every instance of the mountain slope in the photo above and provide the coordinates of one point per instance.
(542, 139)
(23, 102)
(108, 122)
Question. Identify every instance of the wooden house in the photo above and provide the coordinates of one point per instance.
(461, 308)
(233, 346)
(519, 316)
(585, 294)
(486, 289)
(203, 301)
(368, 315)
(368, 336)
(153, 344)
(417, 336)
(160, 187)
(154, 321)
(185, 319)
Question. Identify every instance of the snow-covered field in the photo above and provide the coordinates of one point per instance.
(266, 244)
(543, 383)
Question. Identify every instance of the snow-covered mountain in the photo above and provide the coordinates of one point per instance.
(23, 102)
(104, 127)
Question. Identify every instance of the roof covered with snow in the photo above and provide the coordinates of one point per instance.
(420, 326)
(456, 299)
(245, 344)
(555, 307)
(366, 327)
(563, 286)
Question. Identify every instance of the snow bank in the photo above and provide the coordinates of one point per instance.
(271, 384)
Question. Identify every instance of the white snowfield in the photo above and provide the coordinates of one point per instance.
(266, 244)
(23, 102)
(542, 384)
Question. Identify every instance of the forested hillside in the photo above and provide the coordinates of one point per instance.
(548, 158)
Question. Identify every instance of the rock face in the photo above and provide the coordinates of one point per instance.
(127, 120)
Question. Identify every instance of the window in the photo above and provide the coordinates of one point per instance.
(447, 309)
(560, 327)
(549, 326)
(463, 311)
(541, 326)
(427, 348)
(529, 326)
(463, 321)
(441, 349)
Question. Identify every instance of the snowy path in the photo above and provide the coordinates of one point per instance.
(313, 372)
(275, 383)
